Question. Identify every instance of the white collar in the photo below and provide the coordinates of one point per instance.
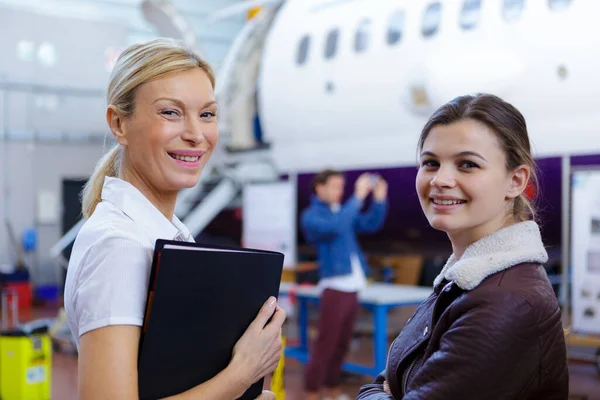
(515, 244)
(136, 206)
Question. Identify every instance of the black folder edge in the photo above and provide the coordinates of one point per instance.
(159, 245)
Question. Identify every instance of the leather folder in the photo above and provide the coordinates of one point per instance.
(200, 301)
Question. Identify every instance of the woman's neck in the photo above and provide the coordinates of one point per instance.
(461, 240)
(163, 201)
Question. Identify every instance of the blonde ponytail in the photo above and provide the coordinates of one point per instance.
(92, 191)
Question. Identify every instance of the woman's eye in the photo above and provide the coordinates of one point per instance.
(170, 113)
(429, 163)
(208, 114)
(468, 164)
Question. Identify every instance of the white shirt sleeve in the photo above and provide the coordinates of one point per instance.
(112, 283)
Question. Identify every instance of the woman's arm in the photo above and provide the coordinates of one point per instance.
(108, 361)
(108, 369)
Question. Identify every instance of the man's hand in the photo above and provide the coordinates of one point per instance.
(381, 190)
(362, 186)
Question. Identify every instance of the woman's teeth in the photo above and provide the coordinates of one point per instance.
(448, 202)
(184, 158)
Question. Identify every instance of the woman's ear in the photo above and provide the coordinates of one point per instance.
(519, 178)
(115, 121)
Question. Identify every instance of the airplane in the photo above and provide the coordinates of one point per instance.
(350, 83)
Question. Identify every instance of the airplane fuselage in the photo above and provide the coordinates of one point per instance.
(350, 83)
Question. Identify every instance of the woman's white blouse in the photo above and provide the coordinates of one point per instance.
(110, 263)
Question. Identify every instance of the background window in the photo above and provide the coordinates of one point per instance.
(303, 48)
(396, 26)
(431, 19)
(361, 40)
(558, 5)
(471, 11)
(331, 43)
(512, 9)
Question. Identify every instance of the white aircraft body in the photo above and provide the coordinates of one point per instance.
(350, 83)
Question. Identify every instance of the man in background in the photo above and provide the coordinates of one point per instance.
(332, 228)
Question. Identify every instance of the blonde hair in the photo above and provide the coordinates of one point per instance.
(137, 65)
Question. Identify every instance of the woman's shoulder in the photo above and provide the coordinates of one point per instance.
(110, 257)
(528, 280)
(108, 238)
(525, 284)
(109, 224)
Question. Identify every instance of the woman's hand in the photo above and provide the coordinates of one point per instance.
(386, 387)
(257, 352)
(267, 395)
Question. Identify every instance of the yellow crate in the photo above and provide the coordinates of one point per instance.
(25, 367)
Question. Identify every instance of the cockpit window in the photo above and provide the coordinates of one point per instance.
(471, 11)
(361, 40)
(431, 19)
(331, 43)
(558, 5)
(303, 48)
(513, 9)
(396, 26)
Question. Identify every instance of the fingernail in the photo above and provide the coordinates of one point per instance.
(272, 301)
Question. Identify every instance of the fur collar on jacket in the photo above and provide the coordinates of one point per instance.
(515, 244)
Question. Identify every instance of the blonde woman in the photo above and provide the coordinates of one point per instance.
(163, 115)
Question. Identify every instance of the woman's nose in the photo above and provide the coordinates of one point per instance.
(443, 178)
(193, 132)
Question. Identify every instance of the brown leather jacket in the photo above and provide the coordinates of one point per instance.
(488, 331)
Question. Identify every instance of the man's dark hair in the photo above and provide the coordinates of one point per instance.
(322, 177)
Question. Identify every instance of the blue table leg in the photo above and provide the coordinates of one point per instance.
(380, 345)
(380, 338)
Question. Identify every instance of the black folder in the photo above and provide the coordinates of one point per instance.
(200, 301)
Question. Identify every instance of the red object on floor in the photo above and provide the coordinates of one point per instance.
(24, 292)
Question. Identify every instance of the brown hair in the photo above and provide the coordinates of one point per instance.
(137, 65)
(510, 128)
(322, 177)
